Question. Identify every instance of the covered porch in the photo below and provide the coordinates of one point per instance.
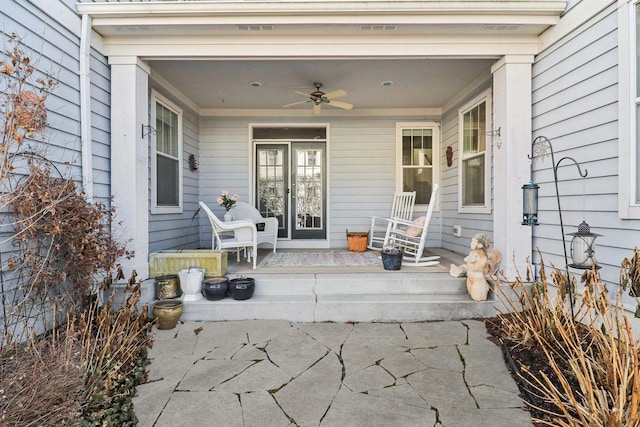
(232, 72)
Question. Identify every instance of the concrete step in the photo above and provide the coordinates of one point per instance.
(356, 283)
(342, 297)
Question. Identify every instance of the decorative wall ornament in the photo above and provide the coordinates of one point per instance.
(449, 156)
(193, 164)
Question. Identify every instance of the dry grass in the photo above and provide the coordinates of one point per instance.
(84, 374)
(594, 378)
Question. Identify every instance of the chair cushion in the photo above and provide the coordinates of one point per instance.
(416, 229)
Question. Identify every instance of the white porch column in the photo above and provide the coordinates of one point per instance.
(512, 114)
(129, 159)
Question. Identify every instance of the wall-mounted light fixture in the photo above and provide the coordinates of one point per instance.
(148, 130)
(493, 132)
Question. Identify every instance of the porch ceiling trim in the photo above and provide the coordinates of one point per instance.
(368, 7)
(320, 48)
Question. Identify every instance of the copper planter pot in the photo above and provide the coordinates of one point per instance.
(167, 312)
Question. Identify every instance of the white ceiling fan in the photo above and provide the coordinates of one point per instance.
(318, 98)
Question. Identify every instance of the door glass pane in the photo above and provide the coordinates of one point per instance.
(309, 189)
(271, 183)
(291, 133)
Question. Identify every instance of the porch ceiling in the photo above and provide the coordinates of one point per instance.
(416, 83)
(430, 50)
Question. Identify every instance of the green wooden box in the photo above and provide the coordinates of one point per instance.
(171, 262)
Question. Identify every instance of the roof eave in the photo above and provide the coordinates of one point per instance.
(541, 8)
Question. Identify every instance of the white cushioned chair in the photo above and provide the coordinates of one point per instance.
(244, 235)
(269, 234)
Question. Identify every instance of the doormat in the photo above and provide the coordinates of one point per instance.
(321, 259)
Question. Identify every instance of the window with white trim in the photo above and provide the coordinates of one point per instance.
(418, 159)
(629, 111)
(166, 156)
(474, 159)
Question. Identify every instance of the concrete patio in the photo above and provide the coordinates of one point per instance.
(278, 373)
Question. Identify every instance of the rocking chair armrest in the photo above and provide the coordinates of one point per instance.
(382, 222)
(394, 222)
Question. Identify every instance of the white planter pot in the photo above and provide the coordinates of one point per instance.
(191, 283)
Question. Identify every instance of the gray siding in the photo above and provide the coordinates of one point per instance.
(471, 223)
(180, 231)
(361, 178)
(101, 126)
(575, 105)
(52, 41)
(55, 43)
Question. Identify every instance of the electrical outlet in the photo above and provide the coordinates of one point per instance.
(457, 230)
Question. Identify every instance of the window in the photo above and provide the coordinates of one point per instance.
(166, 156)
(418, 159)
(474, 161)
(629, 95)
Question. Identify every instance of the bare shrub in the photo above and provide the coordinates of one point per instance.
(55, 246)
(594, 378)
(85, 374)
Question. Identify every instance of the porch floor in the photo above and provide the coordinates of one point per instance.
(342, 294)
(244, 268)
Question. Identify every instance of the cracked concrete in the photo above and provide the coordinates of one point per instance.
(278, 373)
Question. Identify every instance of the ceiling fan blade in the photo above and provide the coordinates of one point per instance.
(341, 104)
(335, 94)
(316, 109)
(306, 95)
(296, 103)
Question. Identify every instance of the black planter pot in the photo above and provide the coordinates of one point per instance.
(391, 260)
(215, 288)
(241, 288)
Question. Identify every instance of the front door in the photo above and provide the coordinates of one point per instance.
(272, 184)
(291, 186)
(308, 183)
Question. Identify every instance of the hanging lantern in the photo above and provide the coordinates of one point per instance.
(530, 204)
(583, 248)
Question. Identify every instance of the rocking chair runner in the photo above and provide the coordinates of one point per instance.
(401, 208)
(409, 237)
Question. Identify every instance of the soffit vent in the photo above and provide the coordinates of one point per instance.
(254, 27)
(500, 27)
(378, 27)
(132, 28)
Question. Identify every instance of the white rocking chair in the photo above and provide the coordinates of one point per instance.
(410, 237)
(402, 208)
